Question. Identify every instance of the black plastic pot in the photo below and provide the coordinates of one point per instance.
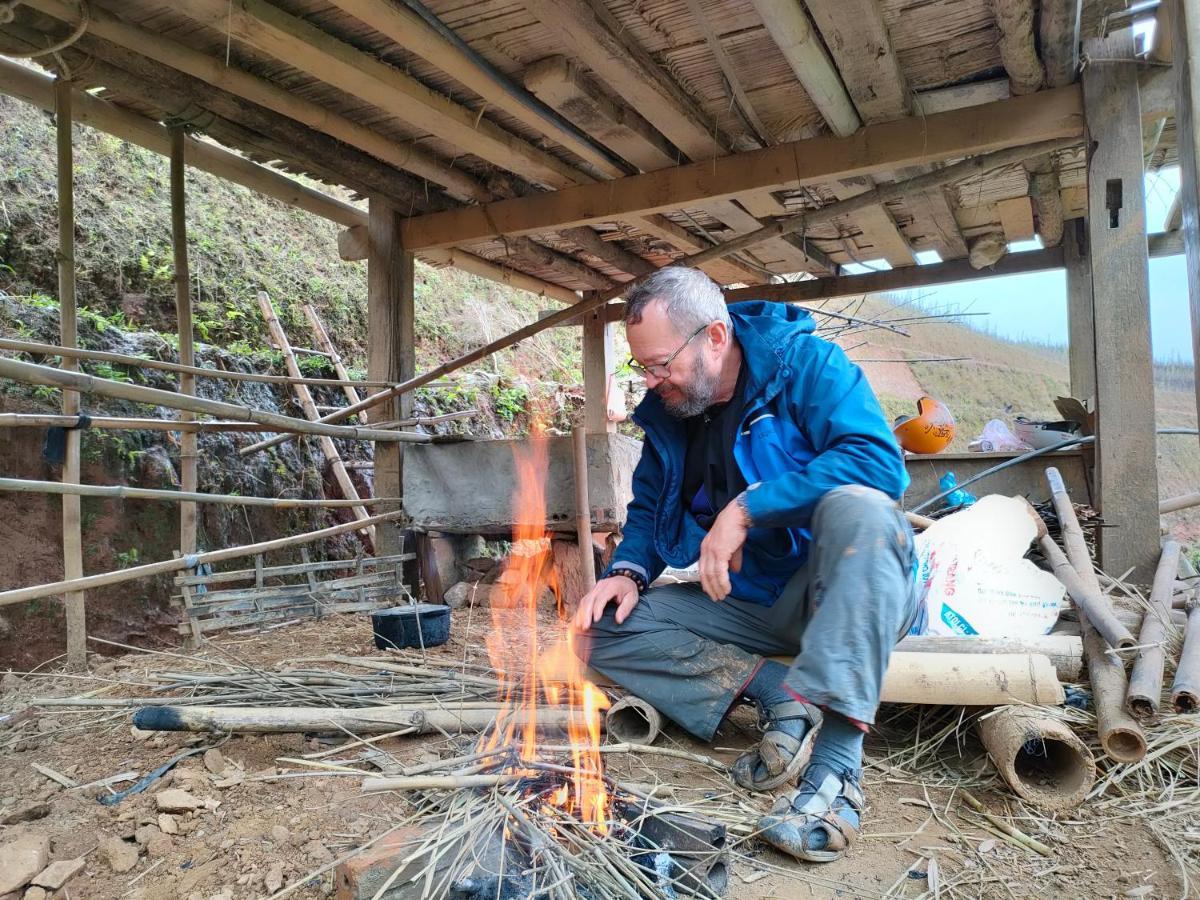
(422, 625)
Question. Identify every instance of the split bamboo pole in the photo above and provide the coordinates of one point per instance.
(32, 373)
(891, 191)
(189, 441)
(1146, 680)
(323, 341)
(121, 492)
(167, 566)
(74, 606)
(123, 359)
(1120, 734)
(304, 395)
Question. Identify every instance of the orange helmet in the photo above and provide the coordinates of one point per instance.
(930, 431)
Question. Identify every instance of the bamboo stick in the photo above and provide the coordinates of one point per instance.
(139, 362)
(437, 782)
(123, 492)
(31, 373)
(1146, 680)
(583, 509)
(304, 395)
(1187, 501)
(1039, 757)
(322, 336)
(166, 566)
(1012, 831)
(1120, 734)
(72, 539)
(188, 444)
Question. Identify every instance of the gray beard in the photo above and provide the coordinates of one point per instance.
(697, 396)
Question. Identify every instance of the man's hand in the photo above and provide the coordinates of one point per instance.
(721, 550)
(618, 589)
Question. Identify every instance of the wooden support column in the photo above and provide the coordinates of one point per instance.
(76, 614)
(1186, 52)
(1081, 333)
(390, 354)
(1126, 459)
(598, 368)
(188, 441)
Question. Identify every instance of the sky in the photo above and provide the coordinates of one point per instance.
(1034, 306)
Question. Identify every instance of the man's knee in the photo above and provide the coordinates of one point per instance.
(854, 503)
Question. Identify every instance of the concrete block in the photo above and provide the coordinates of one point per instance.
(468, 487)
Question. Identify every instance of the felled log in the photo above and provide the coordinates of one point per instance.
(1146, 680)
(1039, 757)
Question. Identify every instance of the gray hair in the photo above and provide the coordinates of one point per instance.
(692, 299)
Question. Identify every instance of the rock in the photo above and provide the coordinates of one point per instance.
(159, 846)
(21, 859)
(232, 778)
(214, 761)
(140, 735)
(168, 824)
(55, 875)
(177, 800)
(10, 683)
(122, 856)
(145, 834)
(36, 893)
(458, 595)
(274, 878)
(317, 852)
(31, 812)
(280, 835)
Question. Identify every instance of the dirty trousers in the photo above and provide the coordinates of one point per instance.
(840, 616)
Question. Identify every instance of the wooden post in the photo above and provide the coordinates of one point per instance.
(304, 395)
(1081, 340)
(324, 342)
(1126, 460)
(76, 614)
(1186, 52)
(598, 369)
(188, 441)
(390, 353)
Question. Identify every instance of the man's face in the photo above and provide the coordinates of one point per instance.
(689, 387)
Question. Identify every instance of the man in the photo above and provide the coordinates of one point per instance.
(766, 458)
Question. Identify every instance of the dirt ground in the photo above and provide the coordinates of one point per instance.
(258, 830)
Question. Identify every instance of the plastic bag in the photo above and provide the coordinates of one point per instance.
(997, 436)
(974, 579)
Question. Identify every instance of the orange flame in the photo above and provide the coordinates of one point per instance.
(555, 672)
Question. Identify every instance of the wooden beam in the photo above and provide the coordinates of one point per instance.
(935, 222)
(1058, 37)
(1081, 326)
(391, 353)
(1044, 116)
(1014, 19)
(598, 367)
(188, 442)
(960, 96)
(857, 38)
(538, 256)
(1126, 454)
(72, 539)
(1016, 218)
(501, 274)
(305, 46)
(1185, 16)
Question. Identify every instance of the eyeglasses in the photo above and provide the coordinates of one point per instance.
(662, 370)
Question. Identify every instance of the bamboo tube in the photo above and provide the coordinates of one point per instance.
(1120, 734)
(322, 336)
(631, 720)
(188, 445)
(166, 566)
(31, 373)
(1185, 690)
(1091, 603)
(583, 509)
(1146, 680)
(122, 492)
(72, 539)
(138, 362)
(1065, 652)
(429, 719)
(1039, 757)
(304, 395)
(1187, 501)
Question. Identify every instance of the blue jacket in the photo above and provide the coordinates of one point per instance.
(811, 424)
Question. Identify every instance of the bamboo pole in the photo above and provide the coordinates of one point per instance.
(121, 492)
(1187, 501)
(1120, 734)
(304, 395)
(1146, 680)
(117, 423)
(31, 373)
(189, 441)
(123, 359)
(1185, 689)
(583, 509)
(74, 606)
(1090, 602)
(323, 341)
(937, 178)
(167, 566)
(437, 782)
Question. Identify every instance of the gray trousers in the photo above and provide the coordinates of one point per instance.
(840, 617)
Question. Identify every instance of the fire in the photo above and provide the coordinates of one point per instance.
(554, 672)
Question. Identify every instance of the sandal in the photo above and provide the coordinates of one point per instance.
(825, 802)
(778, 753)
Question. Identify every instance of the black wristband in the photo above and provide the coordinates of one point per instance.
(633, 576)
